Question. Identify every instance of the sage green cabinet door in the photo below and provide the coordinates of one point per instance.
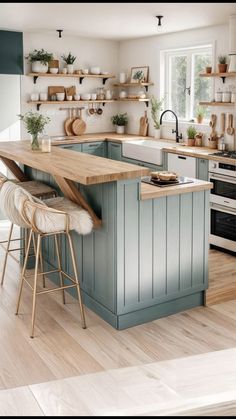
(142, 163)
(114, 151)
(95, 148)
(202, 169)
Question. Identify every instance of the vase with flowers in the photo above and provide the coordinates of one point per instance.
(34, 123)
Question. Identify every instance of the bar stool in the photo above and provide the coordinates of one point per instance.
(38, 190)
(59, 218)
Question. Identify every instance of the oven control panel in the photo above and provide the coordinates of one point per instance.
(222, 168)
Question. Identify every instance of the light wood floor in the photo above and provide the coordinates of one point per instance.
(222, 278)
(63, 350)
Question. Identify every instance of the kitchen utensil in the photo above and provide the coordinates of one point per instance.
(68, 123)
(78, 126)
(53, 90)
(143, 125)
(222, 123)
(213, 125)
(91, 110)
(230, 129)
(99, 111)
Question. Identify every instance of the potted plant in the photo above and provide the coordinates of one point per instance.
(40, 60)
(156, 107)
(120, 120)
(200, 114)
(69, 60)
(222, 65)
(191, 132)
(208, 69)
(34, 123)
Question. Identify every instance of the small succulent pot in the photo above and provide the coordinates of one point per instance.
(199, 119)
(222, 68)
(208, 70)
(120, 129)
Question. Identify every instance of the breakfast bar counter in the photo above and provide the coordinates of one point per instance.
(147, 256)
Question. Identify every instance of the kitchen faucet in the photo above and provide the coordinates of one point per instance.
(178, 136)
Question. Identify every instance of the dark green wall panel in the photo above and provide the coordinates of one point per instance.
(11, 52)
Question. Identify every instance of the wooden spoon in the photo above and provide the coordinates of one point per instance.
(68, 124)
(222, 123)
(230, 129)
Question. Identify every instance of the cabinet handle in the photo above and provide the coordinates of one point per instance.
(182, 157)
(115, 145)
(68, 146)
(94, 145)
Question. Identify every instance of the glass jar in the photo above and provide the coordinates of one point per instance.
(34, 142)
(226, 97)
(46, 144)
(100, 94)
(218, 96)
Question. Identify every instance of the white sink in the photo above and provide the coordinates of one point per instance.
(145, 150)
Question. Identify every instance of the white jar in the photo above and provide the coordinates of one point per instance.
(123, 94)
(218, 97)
(233, 97)
(46, 144)
(70, 68)
(122, 77)
(34, 96)
(226, 97)
(43, 96)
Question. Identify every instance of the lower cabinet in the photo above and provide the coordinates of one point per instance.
(95, 148)
(202, 169)
(74, 147)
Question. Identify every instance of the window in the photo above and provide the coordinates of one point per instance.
(184, 89)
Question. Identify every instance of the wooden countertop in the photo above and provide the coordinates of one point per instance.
(200, 152)
(171, 146)
(79, 167)
(151, 191)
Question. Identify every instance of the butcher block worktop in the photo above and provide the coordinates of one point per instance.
(152, 192)
(79, 167)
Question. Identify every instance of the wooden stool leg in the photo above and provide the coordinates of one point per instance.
(6, 254)
(23, 272)
(76, 280)
(35, 284)
(59, 267)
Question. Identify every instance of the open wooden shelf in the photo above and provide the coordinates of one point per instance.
(104, 77)
(38, 103)
(141, 84)
(217, 103)
(222, 75)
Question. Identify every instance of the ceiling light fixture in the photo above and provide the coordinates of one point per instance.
(159, 27)
(59, 32)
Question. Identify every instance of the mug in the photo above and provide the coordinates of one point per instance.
(64, 70)
(122, 77)
(69, 97)
(108, 95)
(93, 96)
(76, 97)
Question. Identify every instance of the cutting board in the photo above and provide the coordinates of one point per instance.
(53, 64)
(79, 126)
(68, 123)
(52, 90)
(143, 125)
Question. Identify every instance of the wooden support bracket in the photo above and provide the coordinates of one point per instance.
(69, 189)
(14, 169)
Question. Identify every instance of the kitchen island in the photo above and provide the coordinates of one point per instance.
(148, 257)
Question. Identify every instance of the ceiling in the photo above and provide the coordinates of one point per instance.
(112, 20)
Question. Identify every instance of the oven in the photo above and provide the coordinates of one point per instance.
(223, 205)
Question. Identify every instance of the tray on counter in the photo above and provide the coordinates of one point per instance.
(182, 180)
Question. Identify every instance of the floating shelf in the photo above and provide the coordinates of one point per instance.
(142, 84)
(38, 103)
(104, 77)
(222, 75)
(217, 103)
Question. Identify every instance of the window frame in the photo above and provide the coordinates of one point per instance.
(189, 52)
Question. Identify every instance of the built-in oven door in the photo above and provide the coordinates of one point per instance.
(223, 227)
(224, 190)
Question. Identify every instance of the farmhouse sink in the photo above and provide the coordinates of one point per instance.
(145, 150)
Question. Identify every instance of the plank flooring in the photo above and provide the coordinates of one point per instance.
(192, 341)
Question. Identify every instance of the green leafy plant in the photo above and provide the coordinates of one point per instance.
(40, 55)
(200, 112)
(120, 119)
(34, 122)
(156, 107)
(222, 59)
(138, 75)
(69, 59)
(191, 132)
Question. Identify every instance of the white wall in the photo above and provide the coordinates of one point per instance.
(146, 51)
(9, 107)
(89, 52)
